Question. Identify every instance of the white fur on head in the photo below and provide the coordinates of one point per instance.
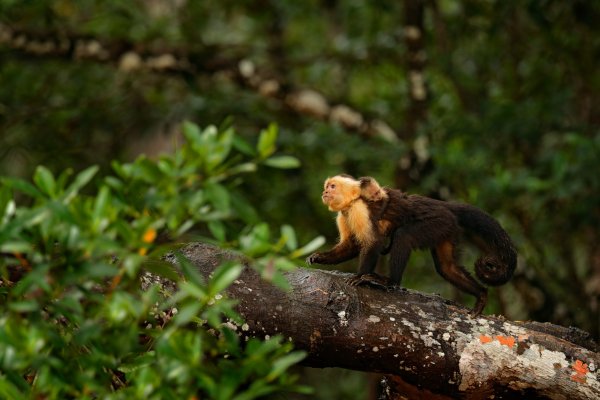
(347, 190)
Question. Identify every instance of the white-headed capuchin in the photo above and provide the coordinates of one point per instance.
(368, 214)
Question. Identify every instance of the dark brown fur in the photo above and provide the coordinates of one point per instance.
(417, 222)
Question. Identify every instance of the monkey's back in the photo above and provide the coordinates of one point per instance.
(421, 221)
(499, 259)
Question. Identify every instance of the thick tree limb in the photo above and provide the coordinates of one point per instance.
(419, 341)
(189, 62)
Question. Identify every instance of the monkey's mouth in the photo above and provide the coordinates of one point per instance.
(326, 198)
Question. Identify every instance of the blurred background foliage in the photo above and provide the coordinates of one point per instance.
(507, 117)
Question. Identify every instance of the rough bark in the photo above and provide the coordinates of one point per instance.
(422, 343)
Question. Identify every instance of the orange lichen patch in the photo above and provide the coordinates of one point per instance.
(580, 370)
(503, 340)
(485, 339)
(149, 235)
(506, 340)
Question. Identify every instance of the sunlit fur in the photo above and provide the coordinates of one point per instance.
(343, 228)
(359, 223)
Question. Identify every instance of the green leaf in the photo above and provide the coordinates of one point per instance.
(191, 132)
(82, 179)
(282, 162)
(256, 242)
(114, 183)
(147, 170)
(283, 363)
(161, 268)
(8, 207)
(44, 180)
(10, 391)
(289, 236)
(243, 168)
(243, 147)
(132, 263)
(16, 247)
(184, 227)
(186, 313)
(190, 272)
(143, 360)
(279, 280)
(266, 141)
(24, 306)
(244, 209)
(195, 291)
(22, 186)
(220, 149)
(218, 196)
(224, 276)
(284, 264)
(32, 217)
(217, 228)
(309, 247)
(101, 206)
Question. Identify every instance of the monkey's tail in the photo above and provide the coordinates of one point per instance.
(493, 271)
(499, 260)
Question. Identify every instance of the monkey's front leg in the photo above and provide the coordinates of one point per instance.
(343, 251)
(368, 262)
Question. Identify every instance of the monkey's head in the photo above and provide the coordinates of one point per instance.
(340, 192)
(370, 189)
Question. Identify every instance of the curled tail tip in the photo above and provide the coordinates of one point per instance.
(494, 271)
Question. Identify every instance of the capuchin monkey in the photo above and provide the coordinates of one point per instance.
(368, 214)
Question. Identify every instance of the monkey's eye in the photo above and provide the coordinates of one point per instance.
(332, 186)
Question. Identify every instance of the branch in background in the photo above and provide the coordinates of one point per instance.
(417, 163)
(133, 57)
(421, 342)
(416, 59)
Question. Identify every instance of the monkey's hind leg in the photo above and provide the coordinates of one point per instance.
(445, 260)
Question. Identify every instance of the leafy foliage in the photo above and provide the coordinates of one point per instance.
(78, 325)
(511, 122)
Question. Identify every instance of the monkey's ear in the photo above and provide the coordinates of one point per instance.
(365, 181)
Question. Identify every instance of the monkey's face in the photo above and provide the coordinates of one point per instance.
(339, 192)
(370, 189)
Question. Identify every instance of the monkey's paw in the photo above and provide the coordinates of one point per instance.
(372, 279)
(313, 259)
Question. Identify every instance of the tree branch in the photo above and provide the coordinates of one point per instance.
(416, 339)
(134, 57)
